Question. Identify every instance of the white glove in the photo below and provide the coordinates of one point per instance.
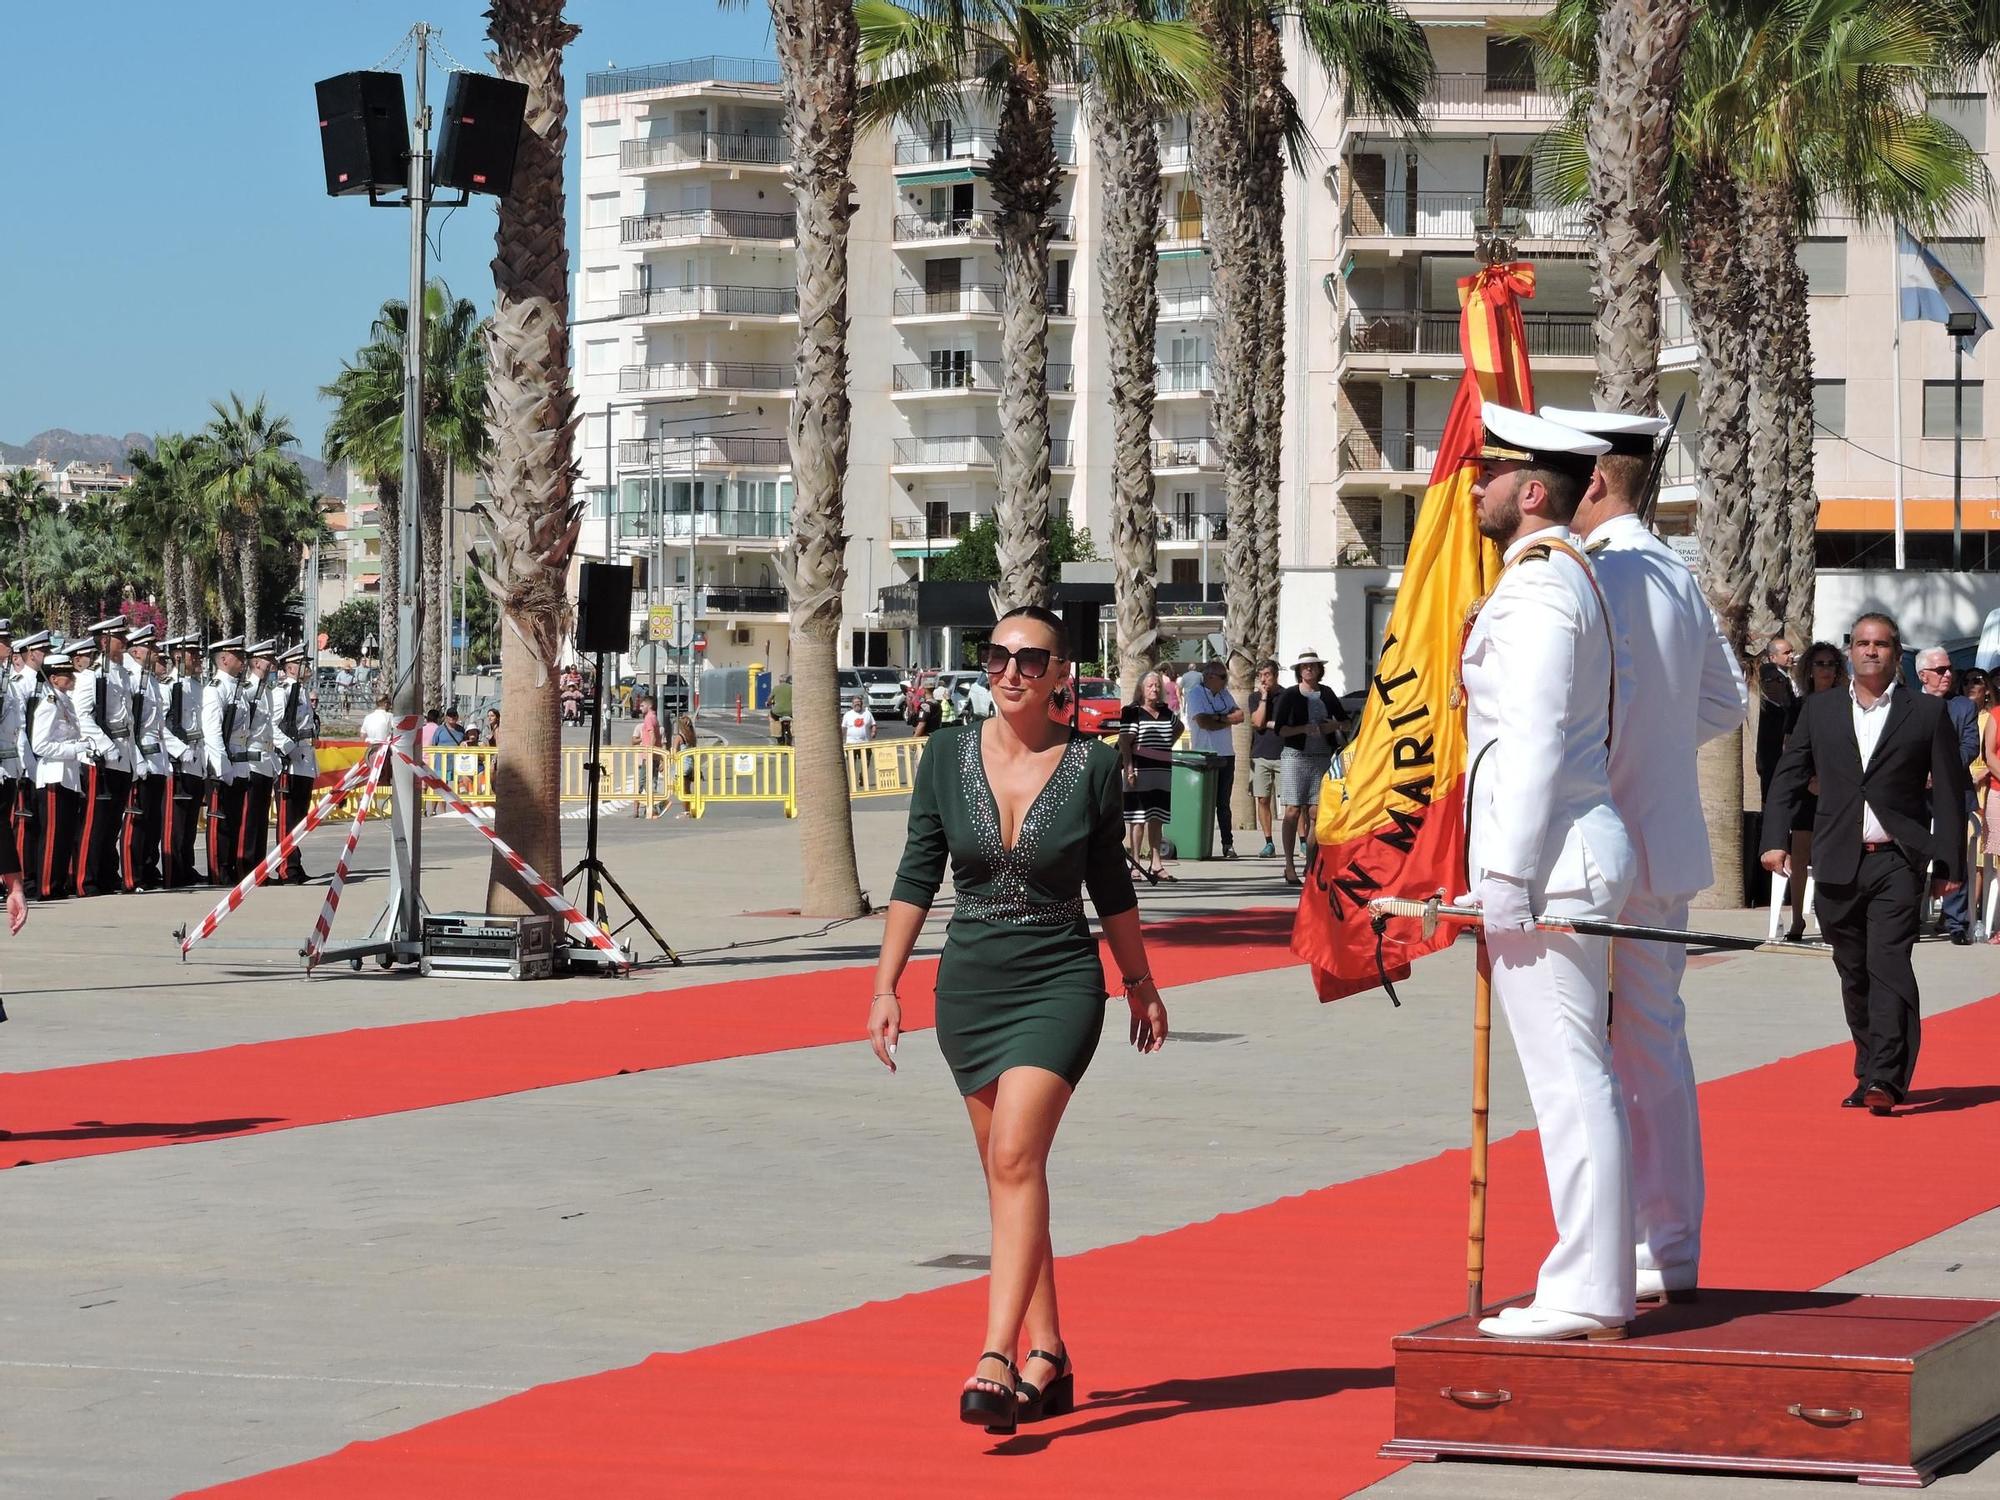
(1505, 904)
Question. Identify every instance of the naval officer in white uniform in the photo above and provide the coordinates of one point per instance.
(1544, 838)
(1679, 686)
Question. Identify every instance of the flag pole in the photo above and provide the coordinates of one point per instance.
(1896, 388)
(1482, 1067)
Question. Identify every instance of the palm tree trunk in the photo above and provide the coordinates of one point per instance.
(1770, 245)
(1725, 522)
(250, 576)
(431, 518)
(530, 473)
(170, 586)
(1640, 47)
(225, 593)
(816, 42)
(1128, 271)
(1024, 175)
(388, 583)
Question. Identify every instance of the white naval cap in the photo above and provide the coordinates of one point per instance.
(264, 648)
(227, 643)
(37, 641)
(110, 625)
(143, 636)
(57, 662)
(1626, 432)
(1522, 437)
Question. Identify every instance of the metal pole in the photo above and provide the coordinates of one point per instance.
(656, 587)
(1896, 407)
(1958, 454)
(687, 651)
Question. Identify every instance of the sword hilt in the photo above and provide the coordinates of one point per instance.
(1430, 912)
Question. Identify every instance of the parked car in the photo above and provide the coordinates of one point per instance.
(884, 686)
(958, 691)
(1097, 705)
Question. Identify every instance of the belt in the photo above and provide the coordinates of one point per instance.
(149, 747)
(241, 757)
(1877, 847)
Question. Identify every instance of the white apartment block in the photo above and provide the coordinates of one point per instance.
(686, 313)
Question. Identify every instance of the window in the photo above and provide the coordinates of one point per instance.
(600, 356)
(1824, 262)
(600, 210)
(1938, 403)
(1965, 259)
(600, 284)
(1510, 65)
(1830, 408)
(600, 138)
(1965, 113)
(595, 431)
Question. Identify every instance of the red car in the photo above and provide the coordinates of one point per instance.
(1097, 707)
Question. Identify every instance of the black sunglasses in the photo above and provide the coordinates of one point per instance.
(1032, 660)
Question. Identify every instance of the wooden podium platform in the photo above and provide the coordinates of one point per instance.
(1880, 1389)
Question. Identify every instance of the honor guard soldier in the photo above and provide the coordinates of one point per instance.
(149, 769)
(1678, 687)
(103, 696)
(180, 734)
(60, 754)
(29, 688)
(1545, 839)
(253, 837)
(13, 735)
(295, 727)
(225, 740)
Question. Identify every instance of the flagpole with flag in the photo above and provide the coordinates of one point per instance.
(1394, 824)
(1926, 291)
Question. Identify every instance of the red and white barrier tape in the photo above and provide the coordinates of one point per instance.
(323, 923)
(589, 931)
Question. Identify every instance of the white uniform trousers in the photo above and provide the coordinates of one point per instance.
(1551, 988)
(1656, 1076)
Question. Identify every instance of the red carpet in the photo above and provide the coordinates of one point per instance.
(1245, 1356)
(58, 1113)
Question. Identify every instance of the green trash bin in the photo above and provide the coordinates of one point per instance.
(1191, 805)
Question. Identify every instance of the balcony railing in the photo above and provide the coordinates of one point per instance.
(1198, 526)
(1186, 453)
(1187, 302)
(1176, 153)
(705, 146)
(738, 599)
(707, 224)
(1550, 335)
(730, 523)
(908, 528)
(936, 526)
(977, 145)
(711, 69)
(1442, 215)
(1183, 231)
(1407, 452)
(678, 453)
(981, 375)
(1676, 322)
(714, 301)
(981, 299)
(1485, 96)
(981, 224)
(1184, 377)
(712, 375)
(959, 451)
(1062, 453)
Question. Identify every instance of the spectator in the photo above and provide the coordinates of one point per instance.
(681, 751)
(379, 723)
(1212, 711)
(857, 728)
(1778, 700)
(427, 736)
(647, 784)
(1186, 683)
(1936, 677)
(1310, 719)
(780, 710)
(1823, 668)
(450, 732)
(1266, 749)
(1170, 688)
(1147, 731)
(930, 716)
(492, 726)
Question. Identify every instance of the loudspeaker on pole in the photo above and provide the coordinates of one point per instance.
(363, 132)
(603, 608)
(481, 133)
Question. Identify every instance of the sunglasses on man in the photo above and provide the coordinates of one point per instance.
(1032, 660)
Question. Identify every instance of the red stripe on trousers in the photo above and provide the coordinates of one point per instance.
(49, 844)
(82, 872)
(167, 837)
(126, 873)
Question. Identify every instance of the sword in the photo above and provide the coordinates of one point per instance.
(1651, 494)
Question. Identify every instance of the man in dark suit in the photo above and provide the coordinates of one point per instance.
(1777, 708)
(1891, 810)
(1936, 677)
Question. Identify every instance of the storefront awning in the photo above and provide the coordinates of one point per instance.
(942, 177)
(1927, 514)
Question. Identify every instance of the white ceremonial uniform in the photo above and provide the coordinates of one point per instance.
(180, 724)
(258, 693)
(1678, 687)
(29, 690)
(59, 743)
(109, 736)
(1538, 671)
(228, 754)
(13, 726)
(294, 726)
(148, 714)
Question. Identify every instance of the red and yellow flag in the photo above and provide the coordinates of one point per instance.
(1395, 824)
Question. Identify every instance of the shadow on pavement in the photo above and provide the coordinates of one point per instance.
(1176, 1398)
(184, 1130)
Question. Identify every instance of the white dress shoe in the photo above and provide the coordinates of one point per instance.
(1547, 1323)
(1675, 1285)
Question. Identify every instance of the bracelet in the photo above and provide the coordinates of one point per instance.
(1133, 984)
(887, 995)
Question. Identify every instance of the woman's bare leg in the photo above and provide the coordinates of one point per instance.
(1014, 1123)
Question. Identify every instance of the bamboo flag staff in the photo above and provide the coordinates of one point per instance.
(1482, 1071)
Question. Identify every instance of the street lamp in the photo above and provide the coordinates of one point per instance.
(1959, 325)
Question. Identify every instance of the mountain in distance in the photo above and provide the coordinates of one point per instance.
(61, 446)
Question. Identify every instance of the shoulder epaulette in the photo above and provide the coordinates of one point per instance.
(1540, 552)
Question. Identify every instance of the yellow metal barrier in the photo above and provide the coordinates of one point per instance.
(883, 768)
(739, 773)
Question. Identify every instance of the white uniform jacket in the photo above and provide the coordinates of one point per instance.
(259, 695)
(1678, 687)
(294, 726)
(148, 715)
(1538, 676)
(103, 699)
(180, 725)
(29, 689)
(225, 729)
(13, 725)
(58, 741)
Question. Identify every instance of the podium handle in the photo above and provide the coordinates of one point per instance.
(1833, 1416)
(1487, 1398)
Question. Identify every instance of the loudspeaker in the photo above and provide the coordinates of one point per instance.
(603, 607)
(482, 131)
(1081, 629)
(364, 133)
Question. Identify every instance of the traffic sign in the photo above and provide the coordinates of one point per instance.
(660, 623)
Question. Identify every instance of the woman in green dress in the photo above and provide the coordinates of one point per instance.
(1029, 815)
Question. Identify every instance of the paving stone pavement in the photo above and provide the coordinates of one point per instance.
(183, 1315)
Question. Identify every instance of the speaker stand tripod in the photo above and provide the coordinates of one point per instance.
(596, 875)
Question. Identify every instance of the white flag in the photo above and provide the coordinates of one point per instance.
(1928, 292)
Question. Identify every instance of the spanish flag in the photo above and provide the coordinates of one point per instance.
(1395, 824)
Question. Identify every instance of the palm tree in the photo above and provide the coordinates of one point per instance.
(530, 469)
(1244, 135)
(160, 515)
(366, 433)
(24, 494)
(926, 57)
(249, 473)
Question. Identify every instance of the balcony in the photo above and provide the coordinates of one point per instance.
(1182, 233)
(1184, 378)
(1372, 552)
(1550, 335)
(756, 71)
(704, 148)
(1192, 454)
(672, 454)
(939, 525)
(980, 376)
(710, 302)
(975, 300)
(1495, 98)
(973, 146)
(1458, 216)
(738, 599)
(957, 452)
(725, 375)
(1176, 154)
(1389, 452)
(707, 224)
(1186, 303)
(1197, 526)
(983, 224)
(728, 524)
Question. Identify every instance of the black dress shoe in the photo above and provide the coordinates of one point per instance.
(1856, 1099)
(1960, 938)
(1881, 1098)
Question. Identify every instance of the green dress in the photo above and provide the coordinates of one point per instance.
(1020, 984)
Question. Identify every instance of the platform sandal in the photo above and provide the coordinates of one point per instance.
(1059, 1399)
(996, 1411)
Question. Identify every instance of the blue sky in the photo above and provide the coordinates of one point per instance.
(172, 236)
